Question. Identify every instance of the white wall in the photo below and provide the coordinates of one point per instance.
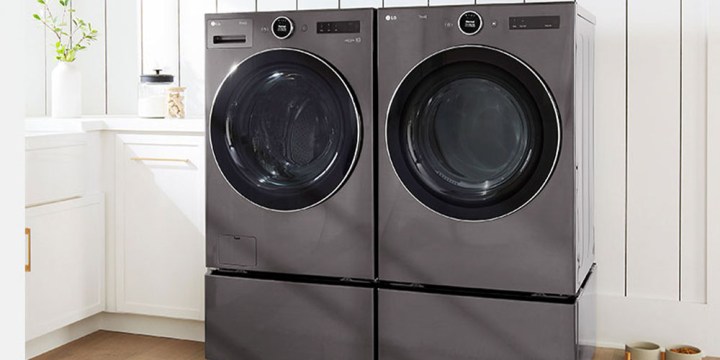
(12, 191)
(658, 237)
(103, 69)
(657, 243)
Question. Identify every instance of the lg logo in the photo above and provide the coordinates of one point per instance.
(390, 17)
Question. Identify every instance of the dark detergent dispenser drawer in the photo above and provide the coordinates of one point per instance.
(229, 33)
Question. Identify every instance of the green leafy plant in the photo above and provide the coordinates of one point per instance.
(67, 28)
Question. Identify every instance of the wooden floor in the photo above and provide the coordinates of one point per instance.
(120, 346)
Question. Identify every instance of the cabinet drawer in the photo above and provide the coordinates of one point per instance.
(55, 170)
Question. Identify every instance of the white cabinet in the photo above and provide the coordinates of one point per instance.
(56, 167)
(65, 281)
(160, 225)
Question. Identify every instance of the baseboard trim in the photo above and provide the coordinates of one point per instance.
(62, 336)
(154, 326)
(127, 323)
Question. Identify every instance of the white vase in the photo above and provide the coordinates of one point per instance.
(66, 90)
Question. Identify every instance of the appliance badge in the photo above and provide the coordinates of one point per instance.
(355, 40)
(390, 17)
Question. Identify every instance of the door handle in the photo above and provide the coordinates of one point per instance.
(28, 239)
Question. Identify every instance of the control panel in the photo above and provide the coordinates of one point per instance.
(534, 22)
(238, 32)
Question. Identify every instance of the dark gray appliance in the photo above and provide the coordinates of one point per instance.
(485, 234)
(290, 194)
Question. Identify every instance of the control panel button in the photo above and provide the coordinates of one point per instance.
(470, 23)
(282, 27)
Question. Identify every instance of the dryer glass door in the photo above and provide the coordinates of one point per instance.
(473, 133)
(285, 130)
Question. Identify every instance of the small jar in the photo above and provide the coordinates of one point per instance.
(152, 99)
(176, 103)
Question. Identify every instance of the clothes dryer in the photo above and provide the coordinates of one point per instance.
(484, 179)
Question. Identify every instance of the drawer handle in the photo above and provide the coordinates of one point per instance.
(160, 159)
(28, 238)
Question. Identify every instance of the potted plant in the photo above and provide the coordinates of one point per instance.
(72, 35)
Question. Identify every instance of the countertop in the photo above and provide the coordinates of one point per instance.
(50, 139)
(44, 126)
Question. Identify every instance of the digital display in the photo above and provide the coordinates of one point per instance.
(338, 27)
(534, 22)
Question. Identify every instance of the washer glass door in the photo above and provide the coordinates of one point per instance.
(285, 130)
(473, 133)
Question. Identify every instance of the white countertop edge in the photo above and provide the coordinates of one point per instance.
(112, 123)
(48, 140)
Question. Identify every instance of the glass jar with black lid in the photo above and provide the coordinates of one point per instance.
(152, 95)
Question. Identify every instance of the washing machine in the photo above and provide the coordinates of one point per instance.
(485, 190)
(290, 184)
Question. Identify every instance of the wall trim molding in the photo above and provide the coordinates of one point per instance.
(126, 323)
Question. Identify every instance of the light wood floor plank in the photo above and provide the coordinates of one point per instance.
(120, 346)
(109, 345)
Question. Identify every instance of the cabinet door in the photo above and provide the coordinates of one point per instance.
(65, 281)
(160, 225)
(56, 168)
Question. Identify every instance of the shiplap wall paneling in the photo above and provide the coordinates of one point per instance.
(451, 2)
(123, 56)
(160, 36)
(693, 173)
(405, 3)
(276, 5)
(693, 177)
(92, 60)
(34, 52)
(192, 56)
(351, 4)
(225, 6)
(653, 206)
(713, 155)
(318, 4)
(50, 62)
(610, 118)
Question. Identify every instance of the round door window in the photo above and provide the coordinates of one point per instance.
(473, 133)
(285, 130)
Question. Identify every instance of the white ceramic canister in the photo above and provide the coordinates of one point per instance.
(153, 94)
(66, 84)
(643, 351)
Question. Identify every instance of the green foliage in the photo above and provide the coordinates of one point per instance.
(67, 27)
